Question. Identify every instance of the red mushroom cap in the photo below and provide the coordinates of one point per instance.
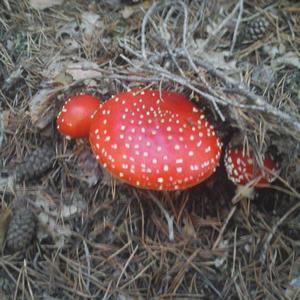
(74, 120)
(241, 169)
(155, 140)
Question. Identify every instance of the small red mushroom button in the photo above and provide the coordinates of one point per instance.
(241, 169)
(74, 120)
(155, 140)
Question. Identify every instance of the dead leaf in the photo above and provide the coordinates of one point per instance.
(49, 225)
(5, 216)
(53, 206)
(63, 78)
(42, 4)
(90, 23)
(127, 12)
(40, 108)
(63, 70)
(53, 209)
(77, 204)
(73, 33)
(83, 69)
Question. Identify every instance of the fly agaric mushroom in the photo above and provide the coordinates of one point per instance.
(154, 140)
(74, 120)
(242, 171)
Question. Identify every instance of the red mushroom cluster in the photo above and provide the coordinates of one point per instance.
(148, 138)
(242, 169)
(157, 140)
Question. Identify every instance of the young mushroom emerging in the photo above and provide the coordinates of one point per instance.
(242, 170)
(155, 140)
(74, 120)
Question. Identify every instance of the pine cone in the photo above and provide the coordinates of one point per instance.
(256, 29)
(37, 162)
(6, 287)
(21, 229)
